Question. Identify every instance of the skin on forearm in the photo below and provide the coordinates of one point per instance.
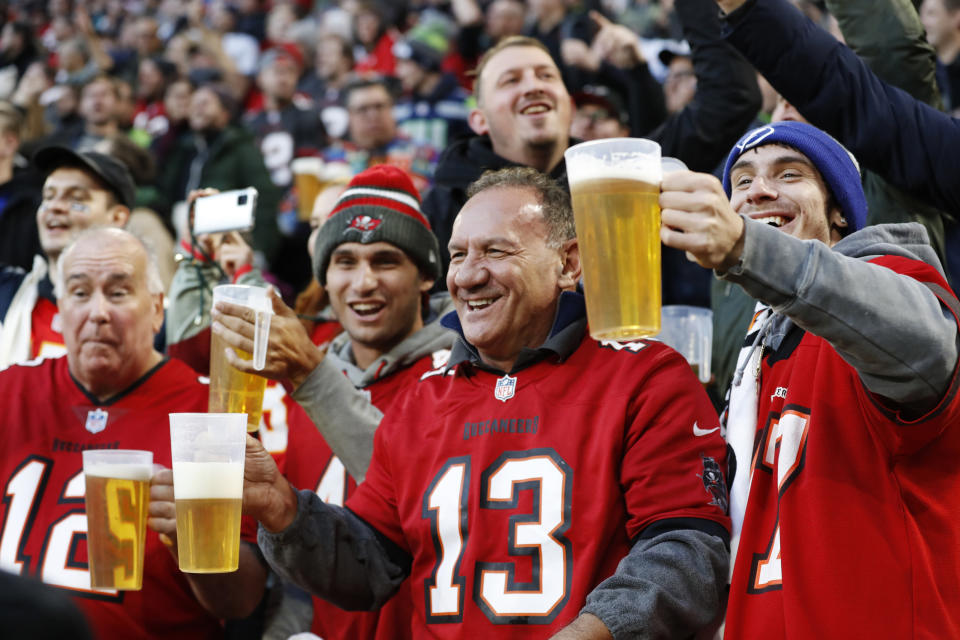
(585, 627)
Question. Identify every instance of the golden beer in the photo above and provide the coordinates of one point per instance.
(307, 176)
(231, 390)
(208, 497)
(618, 227)
(116, 525)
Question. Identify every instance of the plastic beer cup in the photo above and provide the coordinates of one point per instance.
(615, 189)
(208, 453)
(232, 390)
(689, 330)
(117, 497)
(308, 178)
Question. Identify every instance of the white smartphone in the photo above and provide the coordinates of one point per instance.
(226, 211)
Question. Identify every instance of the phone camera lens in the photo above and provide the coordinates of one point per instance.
(242, 199)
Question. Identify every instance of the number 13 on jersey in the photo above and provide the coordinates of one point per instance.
(538, 535)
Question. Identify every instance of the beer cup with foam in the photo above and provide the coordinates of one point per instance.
(117, 498)
(615, 188)
(308, 178)
(208, 453)
(232, 390)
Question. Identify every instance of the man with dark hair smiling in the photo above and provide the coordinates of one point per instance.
(844, 414)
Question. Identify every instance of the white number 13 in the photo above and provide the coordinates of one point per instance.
(538, 535)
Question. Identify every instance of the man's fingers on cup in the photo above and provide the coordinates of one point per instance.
(239, 363)
(238, 311)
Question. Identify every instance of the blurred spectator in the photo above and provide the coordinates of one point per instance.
(433, 108)
(19, 195)
(615, 58)
(551, 23)
(333, 62)
(149, 114)
(600, 113)
(222, 155)
(287, 126)
(374, 37)
(373, 137)
(681, 83)
(36, 81)
(144, 221)
(941, 19)
(240, 47)
(98, 110)
(480, 30)
(83, 56)
(17, 51)
(176, 109)
(81, 190)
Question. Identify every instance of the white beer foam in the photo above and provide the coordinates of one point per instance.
(584, 167)
(130, 471)
(193, 480)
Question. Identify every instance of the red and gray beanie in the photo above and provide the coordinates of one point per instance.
(380, 205)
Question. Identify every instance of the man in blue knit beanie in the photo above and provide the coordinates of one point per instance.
(843, 414)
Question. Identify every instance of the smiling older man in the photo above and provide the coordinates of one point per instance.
(541, 484)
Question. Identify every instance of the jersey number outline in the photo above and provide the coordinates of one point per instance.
(56, 564)
(783, 447)
(539, 535)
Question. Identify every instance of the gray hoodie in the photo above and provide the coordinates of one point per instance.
(333, 397)
(889, 327)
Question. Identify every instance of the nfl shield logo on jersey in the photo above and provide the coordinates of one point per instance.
(96, 420)
(505, 388)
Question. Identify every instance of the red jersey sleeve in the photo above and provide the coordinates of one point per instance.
(375, 498)
(675, 458)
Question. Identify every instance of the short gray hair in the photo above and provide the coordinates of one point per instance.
(554, 199)
(154, 281)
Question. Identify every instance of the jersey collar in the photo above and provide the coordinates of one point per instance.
(569, 323)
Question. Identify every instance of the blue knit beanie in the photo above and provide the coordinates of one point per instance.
(836, 165)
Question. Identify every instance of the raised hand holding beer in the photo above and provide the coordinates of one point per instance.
(697, 218)
(267, 496)
(290, 354)
(235, 390)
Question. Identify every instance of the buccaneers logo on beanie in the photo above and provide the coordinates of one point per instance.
(379, 205)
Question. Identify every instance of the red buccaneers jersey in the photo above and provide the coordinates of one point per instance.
(852, 527)
(311, 465)
(279, 407)
(517, 495)
(45, 337)
(47, 421)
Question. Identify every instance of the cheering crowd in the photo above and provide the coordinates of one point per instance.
(444, 451)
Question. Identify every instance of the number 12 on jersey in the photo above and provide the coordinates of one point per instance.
(538, 535)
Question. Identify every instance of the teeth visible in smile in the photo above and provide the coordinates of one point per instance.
(773, 221)
(537, 108)
(479, 304)
(365, 307)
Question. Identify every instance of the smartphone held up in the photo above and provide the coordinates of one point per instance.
(225, 211)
